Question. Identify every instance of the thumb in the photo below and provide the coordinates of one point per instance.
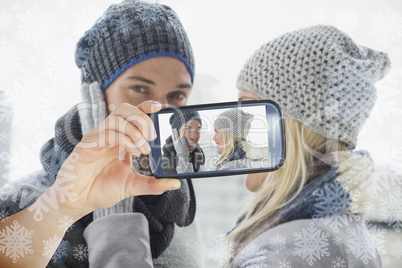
(150, 106)
(148, 185)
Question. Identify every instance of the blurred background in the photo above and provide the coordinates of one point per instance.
(39, 82)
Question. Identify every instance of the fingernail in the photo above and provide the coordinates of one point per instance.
(152, 134)
(147, 147)
(172, 189)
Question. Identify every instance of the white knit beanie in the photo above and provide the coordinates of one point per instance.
(320, 77)
(234, 121)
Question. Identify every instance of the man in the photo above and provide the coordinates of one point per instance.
(134, 60)
(181, 153)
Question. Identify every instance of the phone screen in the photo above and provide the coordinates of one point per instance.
(218, 139)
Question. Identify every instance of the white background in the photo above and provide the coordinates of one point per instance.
(38, 73)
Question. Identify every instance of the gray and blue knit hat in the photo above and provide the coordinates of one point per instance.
(178, 118)
(128, 33)
(320, 77)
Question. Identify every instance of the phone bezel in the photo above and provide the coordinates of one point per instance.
(156, 144)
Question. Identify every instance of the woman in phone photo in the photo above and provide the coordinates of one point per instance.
(230, 133)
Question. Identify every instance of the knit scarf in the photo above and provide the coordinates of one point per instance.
(334, 195)
(162, 211)
(237, 154)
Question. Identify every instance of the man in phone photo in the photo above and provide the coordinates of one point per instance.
(182, 153)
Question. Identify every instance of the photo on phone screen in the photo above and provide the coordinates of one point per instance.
(218, 139)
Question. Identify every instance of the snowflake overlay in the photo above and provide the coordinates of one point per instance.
(219, 251)
(311, 244)
(284, 263)
(252, 256)
(337, 240)
(50, 246)
(347, 19)
(338, 262)
(360, 243)
(277, 243)
(35, 26)
(80, 252)
(4, 214)
(386, 26)
(124, 25)
(57, 63)
(66, 223)
(385, 261)
(96, 33)
(396, 248)
(29, 109)
(173, 21)
(331, 206)
(5, 136)
(62, 188)
(148, 14)
(16, 241)
(6, 19)
(320, 15)
(377, 233)
(11, 55)
(61, 251)
(391, 209)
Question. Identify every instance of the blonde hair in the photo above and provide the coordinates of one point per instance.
(283, 185)
(230, 144)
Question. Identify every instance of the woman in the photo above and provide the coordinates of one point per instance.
(231, 129)
(309, 212)
(134, 60)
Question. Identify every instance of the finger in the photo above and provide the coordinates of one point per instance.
(138, 118)
(121, 125)
(123, 142)
(148, 185)
(150, 106)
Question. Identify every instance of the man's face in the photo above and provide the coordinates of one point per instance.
(163, 79)
(191, 131)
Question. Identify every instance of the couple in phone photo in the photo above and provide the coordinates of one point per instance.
(183, 154)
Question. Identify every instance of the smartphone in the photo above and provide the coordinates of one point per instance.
(218, 139)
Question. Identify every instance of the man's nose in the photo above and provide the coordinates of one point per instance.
(193, 136)
(162, 100)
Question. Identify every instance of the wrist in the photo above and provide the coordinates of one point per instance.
(61, 204)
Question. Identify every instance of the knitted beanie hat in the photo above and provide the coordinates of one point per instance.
(320, 77)
(179, 118)
(128, 33)
(234, 121)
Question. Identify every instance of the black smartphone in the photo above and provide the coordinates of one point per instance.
(218, 139)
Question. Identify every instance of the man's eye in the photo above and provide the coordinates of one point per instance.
(138, 88)
(177, 95)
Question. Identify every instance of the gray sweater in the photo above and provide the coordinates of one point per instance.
(125, 243)
(311, 243)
